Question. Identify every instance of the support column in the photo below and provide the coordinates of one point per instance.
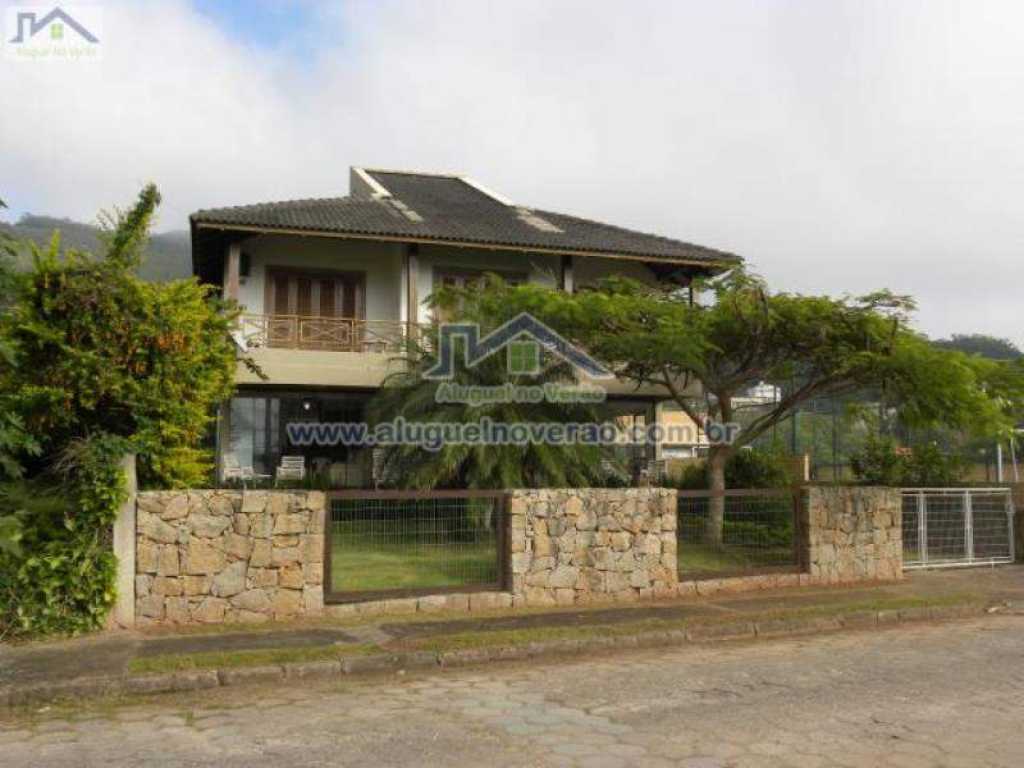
(568, 280)
(410, 269)
(232, 271)
(123, 613)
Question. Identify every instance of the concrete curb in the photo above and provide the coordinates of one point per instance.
(93, 687)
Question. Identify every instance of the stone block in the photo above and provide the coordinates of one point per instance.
(312, 547)
(287, 602)
(573, 507)
(543, 545)
(252, 600)
(489, 601)
(176, 610)
(457, 602)
(168, 587)
(290, 577)
(289, 524)
(399, 605)
(197, 585)
(563, 577)
(221, 504)
(151, 606)
(146, 556)
(201, 557)
(539, 596)
(313, 573)
(167, 560)
(159, 531)
(282, 556)
(237, 546)
(175, 508)
(254, 502)
(260, 556)
(565, 596)
(231, 580)
(208, 526)
(431, 603)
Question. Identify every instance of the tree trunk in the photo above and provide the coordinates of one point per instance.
(716, 504)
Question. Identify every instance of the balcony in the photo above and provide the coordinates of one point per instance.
(335, 334)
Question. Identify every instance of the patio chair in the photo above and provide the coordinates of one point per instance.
(232, 469)
(292, 468)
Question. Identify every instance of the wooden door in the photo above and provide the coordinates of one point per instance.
(315, 310)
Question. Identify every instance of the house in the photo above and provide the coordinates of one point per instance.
(331, 287)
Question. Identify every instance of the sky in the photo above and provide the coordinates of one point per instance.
(840, 147)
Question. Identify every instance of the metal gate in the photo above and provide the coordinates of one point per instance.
(950, 527)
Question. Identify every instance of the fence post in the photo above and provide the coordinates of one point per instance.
(123, 614)
(922, 527)
(968, 527)
(1010, 521)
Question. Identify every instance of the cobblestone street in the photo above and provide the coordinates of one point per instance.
(928, 695)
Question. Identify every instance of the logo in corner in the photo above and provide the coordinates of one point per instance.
(523, 337)
(62, 33)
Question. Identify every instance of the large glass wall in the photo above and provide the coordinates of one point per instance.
(256, 437)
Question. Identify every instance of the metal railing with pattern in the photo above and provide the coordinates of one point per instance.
(341, 334)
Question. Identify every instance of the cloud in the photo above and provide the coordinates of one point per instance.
(841, 147)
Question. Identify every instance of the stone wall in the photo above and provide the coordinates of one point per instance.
(228, 556)
(580, 545)
(853, 534)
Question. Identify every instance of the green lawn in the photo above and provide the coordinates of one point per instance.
(698, 559)
(368, 565)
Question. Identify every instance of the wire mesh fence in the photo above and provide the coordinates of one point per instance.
(747, 531)
(957, 526)
(392, 542)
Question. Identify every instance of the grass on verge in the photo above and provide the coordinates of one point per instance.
(181, 662)
(512, 637)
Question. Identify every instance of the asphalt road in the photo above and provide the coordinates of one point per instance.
(928, 695)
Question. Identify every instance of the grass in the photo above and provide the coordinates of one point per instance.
(363, 565)
(181, 662)
(700, 559)
(514, 637)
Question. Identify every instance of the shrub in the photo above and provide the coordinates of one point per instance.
(750, 468)
(62, 579)
(882, 461)
(100, 351)
(95, 363)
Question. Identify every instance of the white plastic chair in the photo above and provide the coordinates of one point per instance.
(292, 468)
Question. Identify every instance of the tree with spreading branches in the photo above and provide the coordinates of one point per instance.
(707, 355)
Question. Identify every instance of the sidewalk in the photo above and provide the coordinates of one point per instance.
(155, 661)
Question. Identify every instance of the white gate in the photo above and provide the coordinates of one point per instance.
(948, 527)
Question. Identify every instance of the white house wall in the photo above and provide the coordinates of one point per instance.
(382, 263)
(541, 268)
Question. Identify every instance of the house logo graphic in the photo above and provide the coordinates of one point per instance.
(523, 338)
(69, 33)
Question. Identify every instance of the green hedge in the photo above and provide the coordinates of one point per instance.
(61, 578)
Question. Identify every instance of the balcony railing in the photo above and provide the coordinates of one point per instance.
(338, 334)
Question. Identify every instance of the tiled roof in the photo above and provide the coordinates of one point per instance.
(451, 209)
